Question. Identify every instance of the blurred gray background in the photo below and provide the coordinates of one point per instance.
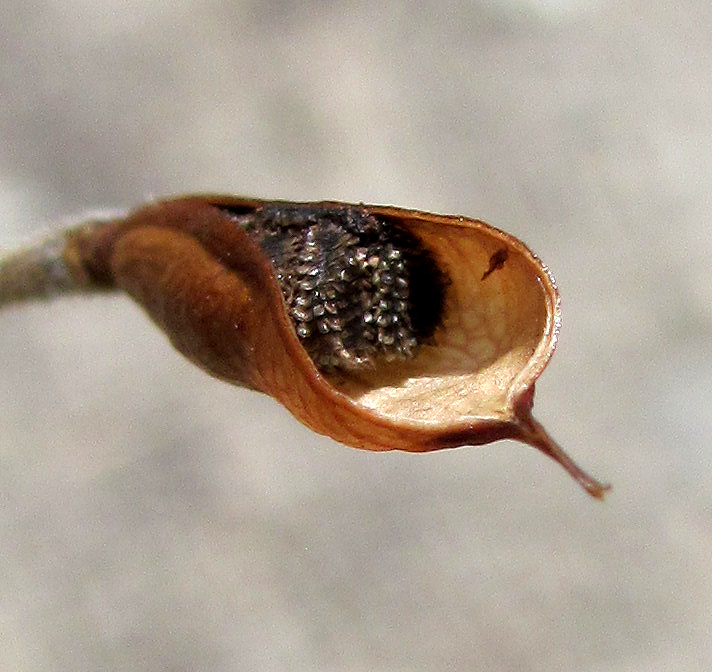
(155, 519)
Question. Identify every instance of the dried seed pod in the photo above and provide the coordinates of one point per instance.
(381, 327)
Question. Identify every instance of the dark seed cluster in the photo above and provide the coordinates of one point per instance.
(348, 280)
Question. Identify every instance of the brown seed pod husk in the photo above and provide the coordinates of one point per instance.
(214, 292)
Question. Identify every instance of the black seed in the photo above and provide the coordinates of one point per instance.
(302, 314)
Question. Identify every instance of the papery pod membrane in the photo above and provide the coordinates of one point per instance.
(216, 295)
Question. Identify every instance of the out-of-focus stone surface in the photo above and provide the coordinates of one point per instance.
(154, 519)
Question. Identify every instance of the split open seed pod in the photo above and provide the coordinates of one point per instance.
(216, 294)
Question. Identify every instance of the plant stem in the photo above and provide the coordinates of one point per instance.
(48, 268)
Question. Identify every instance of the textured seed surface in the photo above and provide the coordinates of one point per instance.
(357, 288)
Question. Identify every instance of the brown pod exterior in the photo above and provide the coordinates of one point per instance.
(214, 292)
